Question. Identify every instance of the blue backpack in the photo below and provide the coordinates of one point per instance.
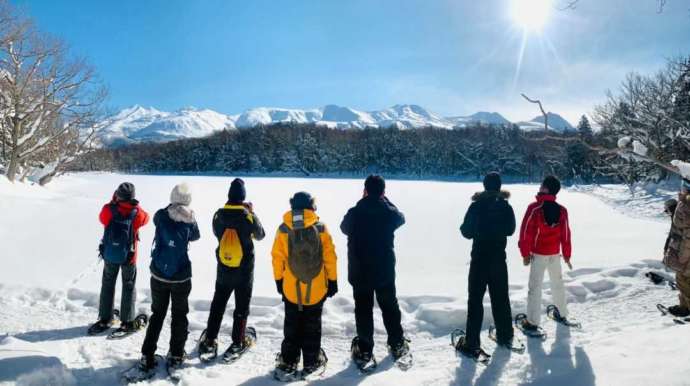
(118, 237)
(170, 251)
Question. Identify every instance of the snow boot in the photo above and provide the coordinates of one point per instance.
(145, 369)
(284, 371)
(476, 354)
(208, 349)
(679, 311)
(99, 327)
(236, 350)
(364, 360)
(173, 365)
(401, 354)
(317, 369)
(129, 328)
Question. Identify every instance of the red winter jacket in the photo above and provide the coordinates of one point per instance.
(536, 236)
(125, 208)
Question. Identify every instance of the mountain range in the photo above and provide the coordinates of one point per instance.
(141, 124)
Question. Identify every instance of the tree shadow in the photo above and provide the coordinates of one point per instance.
(54, 334)
(560, 365)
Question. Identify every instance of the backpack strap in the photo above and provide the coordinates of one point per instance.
(284, 228)
(321, 227)
(132, 236)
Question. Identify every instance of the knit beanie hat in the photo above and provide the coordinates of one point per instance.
(237, 192)
(181, 195)
(552, 184)
(492, 182)
(125, 192)
(302, 200)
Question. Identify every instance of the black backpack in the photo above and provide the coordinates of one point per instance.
(171, 244)
(118, 237)
(305, 254)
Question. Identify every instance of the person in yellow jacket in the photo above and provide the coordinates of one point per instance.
(304, 268)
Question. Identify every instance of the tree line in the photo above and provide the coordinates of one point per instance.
(314, 150)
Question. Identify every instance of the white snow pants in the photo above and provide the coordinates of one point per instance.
(538, 265)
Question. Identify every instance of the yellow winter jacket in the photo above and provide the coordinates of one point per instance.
(281, 269)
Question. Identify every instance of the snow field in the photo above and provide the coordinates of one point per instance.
(50, 281)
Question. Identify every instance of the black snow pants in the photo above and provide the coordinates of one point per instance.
(163, 294)
(492, 272)
(129, 291)
(241, 282)
(364, 315)
(302, 333)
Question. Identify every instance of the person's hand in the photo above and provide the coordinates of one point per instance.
(279, 286)
(249, 206)
(526, 260)
(570, 266)
(332, 288)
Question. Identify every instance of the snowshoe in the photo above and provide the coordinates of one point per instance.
(402, 355)
(365, 361)
(285, 372)
(235, 351)
(174, 366)
(527, 328)
(143, 370)
(515, 344)
(670, 312)
(208, 351)
(315, 371)
(553, 313)
(128, 328)
(457, 340)
(658, 279)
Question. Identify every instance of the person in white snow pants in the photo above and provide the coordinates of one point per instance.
(544, 241)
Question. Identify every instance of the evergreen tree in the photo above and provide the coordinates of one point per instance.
(585, 129)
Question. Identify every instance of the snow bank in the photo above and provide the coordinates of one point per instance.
(683, 167)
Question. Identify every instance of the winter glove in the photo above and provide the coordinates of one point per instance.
(279, 286)
(332, 288)
(526, 260)
(101, 247)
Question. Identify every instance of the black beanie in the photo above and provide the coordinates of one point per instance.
(492, 182)
(552, 184)
(125, 192)
(302, 200)
(237, 192)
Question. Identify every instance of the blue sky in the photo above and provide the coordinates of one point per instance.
(454, 57)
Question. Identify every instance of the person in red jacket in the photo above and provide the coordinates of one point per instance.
(121, 218)
(544, 241)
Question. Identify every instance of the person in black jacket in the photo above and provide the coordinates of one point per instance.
(369, 227)
(171, 277)
(234, 225)
(489, 221)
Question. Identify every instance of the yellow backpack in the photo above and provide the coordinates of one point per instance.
(230, 249)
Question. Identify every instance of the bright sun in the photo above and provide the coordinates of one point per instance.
(531, 15)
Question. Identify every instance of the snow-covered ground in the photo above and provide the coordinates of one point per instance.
(50, 276)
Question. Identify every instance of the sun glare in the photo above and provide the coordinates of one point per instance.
(531, 15)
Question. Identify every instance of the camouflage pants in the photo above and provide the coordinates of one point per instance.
(683, 283)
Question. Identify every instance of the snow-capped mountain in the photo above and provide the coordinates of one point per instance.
(556, 123)
(483, 117)
(140, 124)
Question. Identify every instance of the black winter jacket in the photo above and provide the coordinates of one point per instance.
(488, 223)
(369, 227)
(247, 226)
